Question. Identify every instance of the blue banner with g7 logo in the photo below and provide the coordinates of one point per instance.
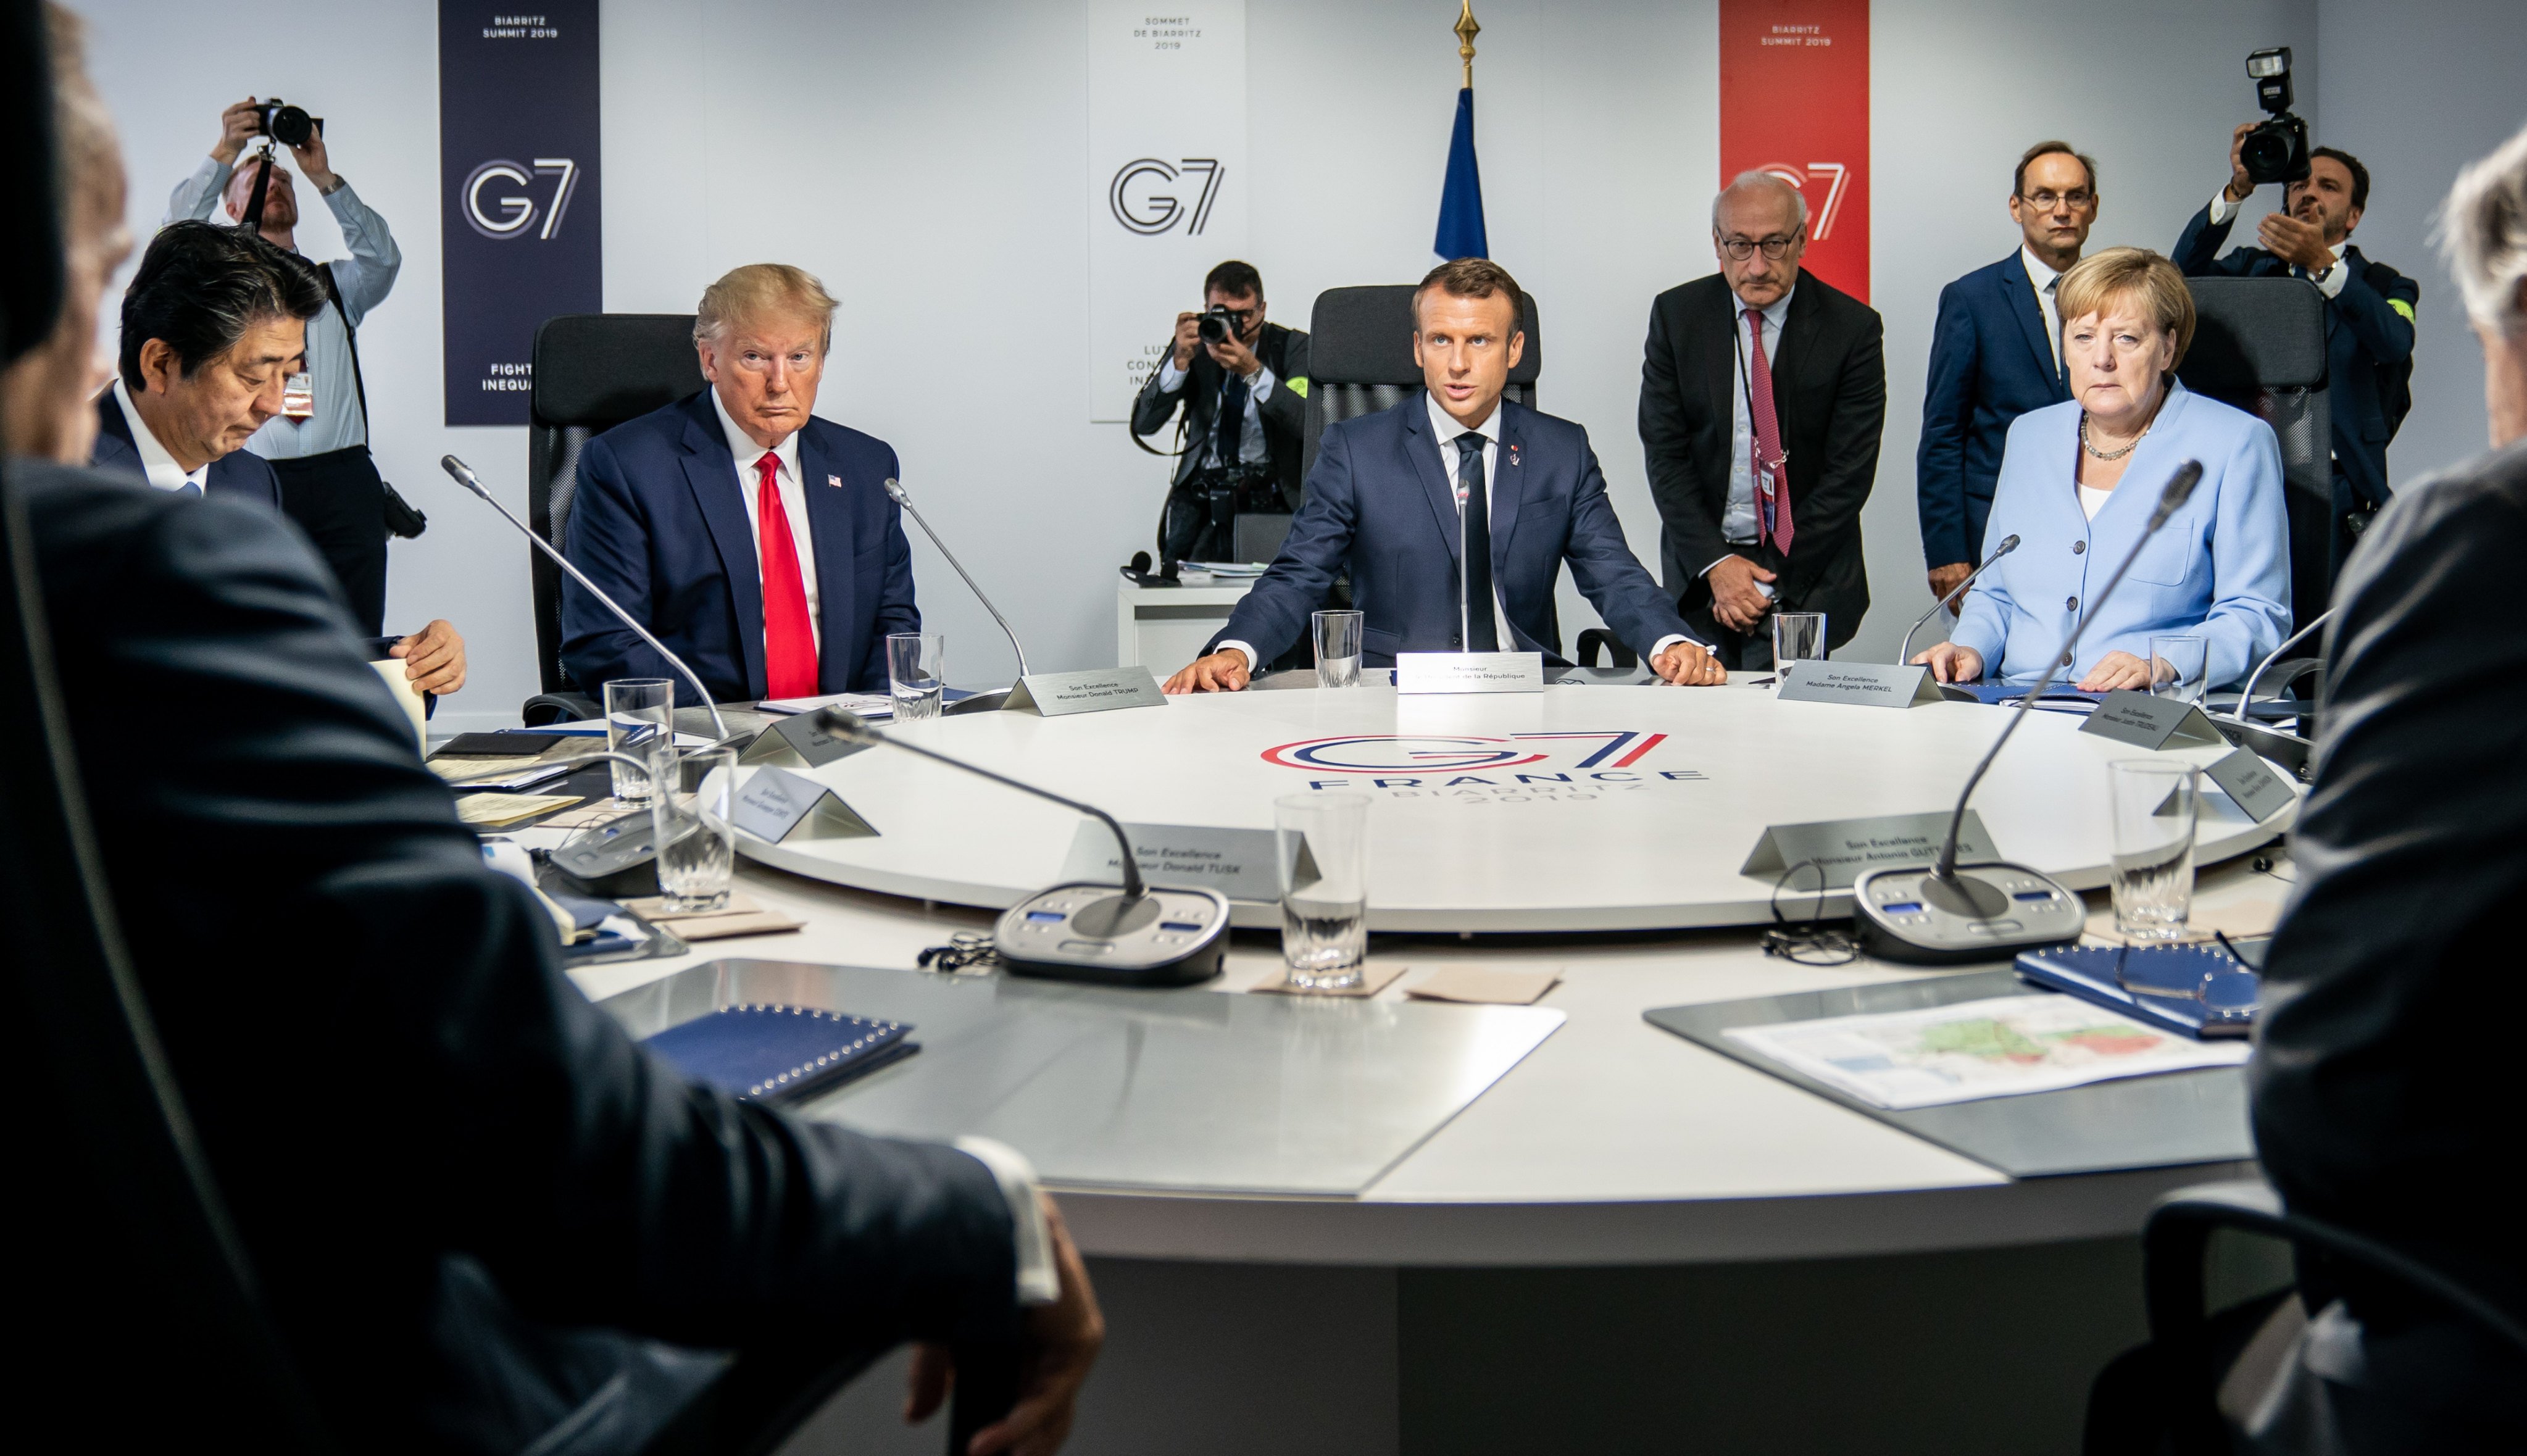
(519, 215)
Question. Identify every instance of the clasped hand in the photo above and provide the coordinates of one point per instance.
(1734, 598)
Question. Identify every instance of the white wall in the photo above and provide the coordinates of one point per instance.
(926, 161)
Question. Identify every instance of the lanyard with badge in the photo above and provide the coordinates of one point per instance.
(1768, 477)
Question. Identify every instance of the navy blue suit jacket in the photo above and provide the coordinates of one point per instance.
(238, 475)
(1989, 363)
(1379, 503)
(659, 524)
(2367, 325)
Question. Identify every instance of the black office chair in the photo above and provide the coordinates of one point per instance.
(2259, 344)
(1359, 357)
(593, 372)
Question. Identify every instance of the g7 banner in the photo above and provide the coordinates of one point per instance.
(1794, 102)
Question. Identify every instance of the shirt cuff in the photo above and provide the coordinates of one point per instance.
(1170, 378)
(1039, 1281)
(1243, 648)
(1260, 382)
(2222, 208)
(2330, 282)
(1713, 561)
(1669, 640)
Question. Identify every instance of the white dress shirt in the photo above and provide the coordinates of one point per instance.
(1039, 1278)
(1444, 431)
(160, 466)
(2329, 283)
(1250, 439)
(2042, 279)
(793, 505)
(1737, 520)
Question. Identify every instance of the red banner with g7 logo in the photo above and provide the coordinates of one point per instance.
(1794, 102)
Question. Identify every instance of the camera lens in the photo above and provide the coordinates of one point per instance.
(288, 126)
(1215, 328)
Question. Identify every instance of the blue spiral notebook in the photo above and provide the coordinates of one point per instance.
(760, 1053)
(2196, 991)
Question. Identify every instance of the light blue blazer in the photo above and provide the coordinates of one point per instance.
(2218, 569)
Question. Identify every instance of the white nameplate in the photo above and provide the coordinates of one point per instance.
(1094, 690)
(1868, 684)
(1469, 672)
(775, 803)
(1237, 862)
(1847, 847)
(2130, 715)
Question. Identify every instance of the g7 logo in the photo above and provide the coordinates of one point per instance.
(1822, 227)
(1145, 198)
(517, 213)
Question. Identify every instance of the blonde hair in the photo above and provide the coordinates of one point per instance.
(766, 291)
(2134, 274)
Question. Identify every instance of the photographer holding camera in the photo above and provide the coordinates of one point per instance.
(2369, 306)
(319, 444)
(1244, 387)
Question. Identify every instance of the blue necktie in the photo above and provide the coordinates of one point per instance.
(1482, 636)
(1229, 444)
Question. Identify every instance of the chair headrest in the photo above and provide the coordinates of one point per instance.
(1364, 336)
(598, 370)
(2254, 333)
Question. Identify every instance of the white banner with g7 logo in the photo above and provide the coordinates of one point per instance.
(1166, 178)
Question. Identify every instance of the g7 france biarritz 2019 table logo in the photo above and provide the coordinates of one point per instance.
(1519, 768)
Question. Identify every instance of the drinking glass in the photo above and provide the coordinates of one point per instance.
(2156, 803)
(1797, 637)
(1338, 649)
(2189, 655)
(689, 815)
(1324, 857)
(639, 713)
(916, 673)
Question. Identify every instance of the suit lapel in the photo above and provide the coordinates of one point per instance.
(1424, 456)
(711, 473)
(2030, 320)
(113, 449)
(1798, 331)
(1508, 484)
(835, 545)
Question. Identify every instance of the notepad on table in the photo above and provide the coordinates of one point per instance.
(758, 1053)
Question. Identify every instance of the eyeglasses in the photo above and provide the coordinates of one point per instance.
(2225, 985)
(1774, 248)
(2046, 202)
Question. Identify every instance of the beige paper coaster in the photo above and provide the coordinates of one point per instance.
(1373, 979)
(1485, 986)
(739, 917)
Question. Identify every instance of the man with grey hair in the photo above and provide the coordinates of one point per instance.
(2374, 1107)
(1763, 396)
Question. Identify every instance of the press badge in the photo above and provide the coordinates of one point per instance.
(298, 396)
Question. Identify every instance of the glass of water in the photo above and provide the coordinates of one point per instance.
(1324, 857)
(689, 816)
(916, 673)
(1338, 649)
(1797, 637)
(2156, 803)
(2186, 658)
(640, 713)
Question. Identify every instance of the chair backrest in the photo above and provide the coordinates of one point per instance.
(1359, 357)
(593, 372)
(2259, 344)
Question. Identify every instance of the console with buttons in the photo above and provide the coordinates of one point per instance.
(1985, 913)
(1164, 937)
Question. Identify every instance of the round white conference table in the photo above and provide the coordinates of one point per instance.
(1579, 816)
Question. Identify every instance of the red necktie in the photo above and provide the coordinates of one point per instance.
(1772, 490)
(788, 640)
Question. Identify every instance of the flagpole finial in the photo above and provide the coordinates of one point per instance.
(1467, 30)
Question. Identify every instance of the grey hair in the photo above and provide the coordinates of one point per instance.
(1748, 181)
(2483, 233)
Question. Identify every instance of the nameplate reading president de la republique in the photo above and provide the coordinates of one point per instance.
(1868, 684)
(1094, 690)
(1469, 672)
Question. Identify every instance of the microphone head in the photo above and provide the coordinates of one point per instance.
(461, 473)
(2008, 543)
(894, 491)
(2180, 487)
(844, 723)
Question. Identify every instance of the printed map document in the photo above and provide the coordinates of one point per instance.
(2001, 1046)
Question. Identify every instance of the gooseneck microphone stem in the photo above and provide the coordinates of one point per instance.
(463, 474)
(894, 490)
(854, 728)
(2179, 487)
(1904, 654)
(2247, 699)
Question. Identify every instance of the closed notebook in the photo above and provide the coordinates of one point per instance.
(760, 1053)
(2197, 991)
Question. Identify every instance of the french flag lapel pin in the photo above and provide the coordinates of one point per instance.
(834, 481)
(1512, 454)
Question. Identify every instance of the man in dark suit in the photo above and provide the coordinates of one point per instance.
(213, 322)
(1245, 402)
(1996, 353)
(755, 541)
(2368, 338)
(1761, 460)
(1455, 512)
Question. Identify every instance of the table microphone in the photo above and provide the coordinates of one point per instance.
(463, 474)
(1940, 917)
(980, 702)
(1083, 931)
(2248, 698)
(1904, 654)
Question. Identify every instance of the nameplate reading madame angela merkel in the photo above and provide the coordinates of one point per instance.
(1868, 684)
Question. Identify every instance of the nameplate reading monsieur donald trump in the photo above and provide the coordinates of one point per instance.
(1469, 672)
(1092, 690)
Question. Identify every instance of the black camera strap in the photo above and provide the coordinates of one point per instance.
(402, 518)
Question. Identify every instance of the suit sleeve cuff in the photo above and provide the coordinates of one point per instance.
(1239, 647)
(1039, 1281)
(1713, 561)
(2222, 208)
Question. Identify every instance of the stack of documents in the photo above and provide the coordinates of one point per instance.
(866, 704)
(1230, 569)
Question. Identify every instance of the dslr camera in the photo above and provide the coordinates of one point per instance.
(288, 124)
(2276, 151)
(1218, 323)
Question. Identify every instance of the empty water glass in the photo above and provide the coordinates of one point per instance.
(1323, 858)
(1797, 637)
(2155, 802)
(640, 713)
(2184, 658)
(916, 673)
(1338, 647)
(689, 816)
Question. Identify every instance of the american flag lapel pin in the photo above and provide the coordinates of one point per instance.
(834, 481)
